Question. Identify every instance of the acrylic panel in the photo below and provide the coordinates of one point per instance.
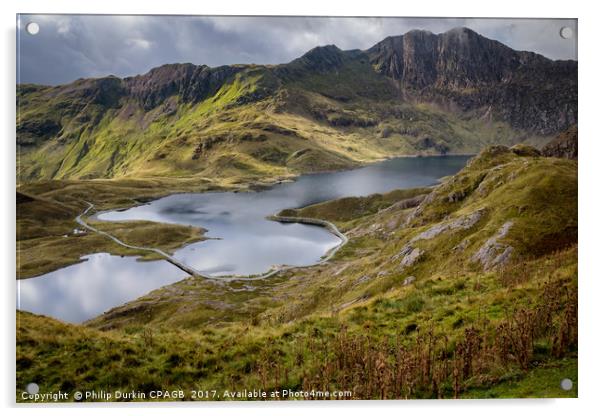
(294, 208)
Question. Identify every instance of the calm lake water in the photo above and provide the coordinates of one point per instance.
(84, 290)
(246, 243)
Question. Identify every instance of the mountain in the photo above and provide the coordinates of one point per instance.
(523, 88)
(419, 93)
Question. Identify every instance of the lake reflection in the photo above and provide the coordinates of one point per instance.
(84, 290)
(248, 243)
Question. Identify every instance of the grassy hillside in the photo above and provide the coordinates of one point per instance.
(468, 289)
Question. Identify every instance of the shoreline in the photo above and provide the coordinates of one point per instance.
(248, 187)
(268, 184)
(263, 186)
(274, 270)
(230, 278)
(301, 220)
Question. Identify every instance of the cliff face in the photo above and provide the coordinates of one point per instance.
(462, 67)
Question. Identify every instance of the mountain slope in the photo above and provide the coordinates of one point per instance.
(329, 109)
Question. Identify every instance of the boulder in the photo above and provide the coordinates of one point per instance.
(410, 256)
(494, 253)
(409, 280)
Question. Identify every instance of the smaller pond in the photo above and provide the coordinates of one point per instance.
(82, 291)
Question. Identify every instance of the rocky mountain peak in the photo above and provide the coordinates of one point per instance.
(459, 69)
(320, 59)
(474, 72)
(459, 57)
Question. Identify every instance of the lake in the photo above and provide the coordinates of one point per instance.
(243, 241)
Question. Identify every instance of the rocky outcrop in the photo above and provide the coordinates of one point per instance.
(564, 145)
(106, 92)
(463, 223)
(416, 213)
(191, 82)
(495, 253)
(409, 256)
(476, 73)
(31, 132)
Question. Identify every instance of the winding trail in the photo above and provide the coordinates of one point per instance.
(172, 260)
(231, 278)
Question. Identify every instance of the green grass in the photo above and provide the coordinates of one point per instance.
(542, 382)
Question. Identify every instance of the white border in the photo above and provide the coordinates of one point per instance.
(590, 286)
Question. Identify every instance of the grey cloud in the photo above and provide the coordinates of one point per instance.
(74, 46)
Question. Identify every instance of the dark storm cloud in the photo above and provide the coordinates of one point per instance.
(74, 46)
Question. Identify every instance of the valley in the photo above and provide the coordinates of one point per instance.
(241, 237)
(224, 334)
(446, 164)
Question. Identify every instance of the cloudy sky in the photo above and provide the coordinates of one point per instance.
(68, 47)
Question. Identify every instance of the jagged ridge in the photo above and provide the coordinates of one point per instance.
(159, 122)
